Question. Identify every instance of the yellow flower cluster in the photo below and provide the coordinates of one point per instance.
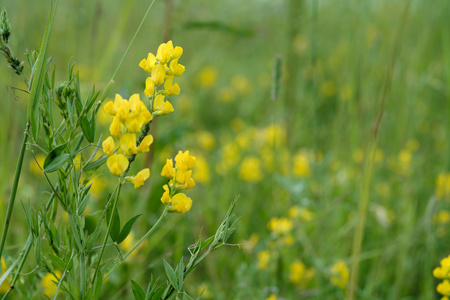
(299, 273)
(128, 118)
(280, 226)
(180, 178)
(340, 274)
(443, 272)
(163, 68)
(443, 186)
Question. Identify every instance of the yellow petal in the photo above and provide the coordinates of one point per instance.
(109, 146)
(128, 143)
(144, 146)
(181, 203)
(117, 164)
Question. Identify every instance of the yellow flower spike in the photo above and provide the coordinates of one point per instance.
(109, 146)
(158, 74)
(340, 274)
(168, 169)
(144, 146)
(149, 63)
(161, 107)
(170, 89)
(109, 108)
(182, 174)
(50, 283)
(116, 128)
(184, 158)
(117, 164)
(149, 87)
(165, 199)
(181, 203)
(133, 124)
(443, 288)
(176, 68)
(124, 111)
(136, 103)
(128, 143)
(140, 178)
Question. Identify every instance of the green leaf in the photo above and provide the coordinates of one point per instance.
(57, 151)
(98, 285)
(138, 292)
(83, 205)
(38, 79)
(89, 133)
(115, 225)
(56, 163)
(127, 229)
(95, 164)
(181, 273)
(171, 275)
(158, 293)
(57, 262)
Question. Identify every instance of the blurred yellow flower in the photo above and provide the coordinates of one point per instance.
(272, 297)
(208, 76)
(327, 89)
(206, 140)
(299, 274)
(34, 164)
(250, 169)
(340, 274)
(280, 226)
(443, 217)
(227, 94)
(301, 166)
(263, 259)
(443, 186)
(241, 84)
(7, 283)
(202, 170)
(443, 271)
(443, 288)
(50, 283)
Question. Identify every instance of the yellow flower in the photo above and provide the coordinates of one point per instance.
(443, 272)
(171, 89)
(144, 146)
(168, 169)
(202, 170)
(165, 199)
(241, 84)
(116, 128)
(140, 177)
(443, 185)
(280, 225)
(181, 203)
(128, 143)
(263, 259)
(208, 76)
(149, 63)
(7, 283)
(166, 52)
(184, 179)
(339, 274)
(50, 283)
(297, 272)
(149, 87)
(161, 107)
(272, 297)
(443, 288)
(227, 94)
(250, 169)
(158, 74)
(301, 165)
(183, 158)
(117, 164)
(109, 146)
(206, 140)
(176, 68)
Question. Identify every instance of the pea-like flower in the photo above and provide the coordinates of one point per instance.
(181, 203)
(117, 164)
(109, 146)
(139, 179)
(161, 107)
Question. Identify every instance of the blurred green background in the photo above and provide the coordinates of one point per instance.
(300, 157)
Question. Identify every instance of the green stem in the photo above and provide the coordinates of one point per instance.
(108, 230)
(82, 274)
(164, 213)
(22, 262)
(12, 197)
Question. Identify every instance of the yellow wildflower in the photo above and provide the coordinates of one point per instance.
(272, 297)
(149, 63)
(241, 84)
(144, 146)
(117, 164)
(183, 158)
(158, 74)
(280, 225)
(140, 177)
(161, 107)
(250, 169)
(166, 196)
(168, 169)
(443, 272)
(205, 140)
(301, 165)
(339, 274)
(443, 288)
(300, 274)
(443, 185)
(176, 68)
(50, 283)
(202, 170)
(263, 259)
(128, 143)
(208, 76)
(171, 89)
(149, 87)
(181, 203)
(109, 146)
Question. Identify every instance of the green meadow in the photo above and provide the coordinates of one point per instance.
(324, 125)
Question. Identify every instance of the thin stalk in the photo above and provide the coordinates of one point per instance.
(108, 230)
(82, 274)
(22, 262)
(164, 213)
(12, 197)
